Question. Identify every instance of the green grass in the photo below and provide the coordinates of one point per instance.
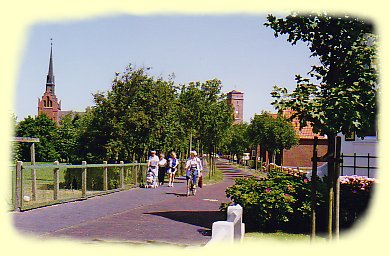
(45, 184)
(280, 236)
(256, 173)
(215, 178)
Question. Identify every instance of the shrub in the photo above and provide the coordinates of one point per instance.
(355, 194)
(277, 202)
(283, 202)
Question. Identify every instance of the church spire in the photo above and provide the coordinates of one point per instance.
(50, 84)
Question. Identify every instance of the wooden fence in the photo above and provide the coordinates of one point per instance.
(40, 185)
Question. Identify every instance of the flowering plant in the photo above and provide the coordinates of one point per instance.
(279, 201)
(355, 194)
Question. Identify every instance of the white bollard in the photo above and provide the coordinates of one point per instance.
(222, 231)
(229, 231)
(235, 215)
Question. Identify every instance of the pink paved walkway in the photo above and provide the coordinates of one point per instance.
(162, 215)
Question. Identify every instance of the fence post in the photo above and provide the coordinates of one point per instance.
(313, 190)
(105, 176)
(355, 163)
(18, 190)
(337, 186)
(121, 178)
(33, 173)
(83, 179)
(342, 157)
(56, 180)
(136, 174)
(368, 164)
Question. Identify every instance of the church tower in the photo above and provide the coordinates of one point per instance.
(235, 99)
(49, 104)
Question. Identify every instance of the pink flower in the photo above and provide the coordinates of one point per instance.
(305, 180)
(267, 190)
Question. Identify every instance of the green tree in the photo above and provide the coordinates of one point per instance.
(237, 140)
(273, 133)
(340, 94)
(46, 130)
(205, 113)
(66, 143)
(137, 114)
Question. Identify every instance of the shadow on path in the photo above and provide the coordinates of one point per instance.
(176, 194)
(202, 219)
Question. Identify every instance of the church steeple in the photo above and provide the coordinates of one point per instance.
(49, 104)
(50, 83)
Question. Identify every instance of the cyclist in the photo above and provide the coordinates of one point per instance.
(193, 169)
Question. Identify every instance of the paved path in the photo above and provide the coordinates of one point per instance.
(162, 215)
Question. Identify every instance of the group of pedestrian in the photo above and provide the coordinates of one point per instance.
(161, 166)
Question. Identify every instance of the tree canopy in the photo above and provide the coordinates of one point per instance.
(273, 133)
(340, 93)
(138, 113)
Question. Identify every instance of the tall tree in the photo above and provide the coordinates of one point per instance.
(273, 133)
(340, 94)
(46, 130)
(205, 112)
(137, 114)
(66, 142)
(237, 141)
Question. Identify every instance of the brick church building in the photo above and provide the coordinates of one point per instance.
(49, 104)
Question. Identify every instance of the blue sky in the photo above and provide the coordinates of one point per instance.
(237, 49)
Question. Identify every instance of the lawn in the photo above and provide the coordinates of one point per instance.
(280, 236)
(45, 184)
(217, 177)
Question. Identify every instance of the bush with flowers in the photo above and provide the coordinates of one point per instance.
(282, 201)
(277, 202)
(355, 195)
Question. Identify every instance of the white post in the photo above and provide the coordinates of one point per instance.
(235, 215)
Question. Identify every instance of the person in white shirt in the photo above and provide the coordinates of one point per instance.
(193, 165)
(172, 168)
(161, 168)
(152, 164)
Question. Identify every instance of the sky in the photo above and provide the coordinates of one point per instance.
(237, 49)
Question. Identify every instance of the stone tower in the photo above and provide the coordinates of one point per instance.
(49, 104)
(235, 99)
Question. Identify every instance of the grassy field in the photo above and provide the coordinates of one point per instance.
(280, 236)
(45, 184)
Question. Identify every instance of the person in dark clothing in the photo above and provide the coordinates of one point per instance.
(161, 169)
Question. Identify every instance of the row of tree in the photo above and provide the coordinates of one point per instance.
(139, 113)
(273, 133)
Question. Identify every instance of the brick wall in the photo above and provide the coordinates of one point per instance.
(300, 156)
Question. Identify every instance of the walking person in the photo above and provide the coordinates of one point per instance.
(162, 164)
(152, 166)
(172, 168)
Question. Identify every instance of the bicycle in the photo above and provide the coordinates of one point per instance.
(190, 185)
